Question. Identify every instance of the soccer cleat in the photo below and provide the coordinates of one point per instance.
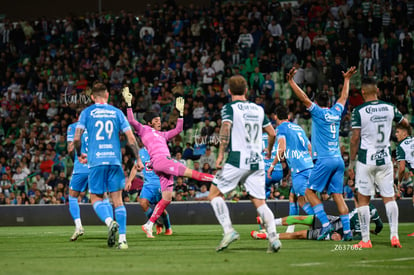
(259, 235)
(411, 235)
(168, 232)
(395, 242)
(158, 228)
(122, 246)
(347, 237)
(148, 230)
(227, 240)
(325, 231)
(274, 246)
(112, 229)
(78, 232)
(363, 244)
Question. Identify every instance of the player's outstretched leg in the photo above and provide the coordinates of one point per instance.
(75, 212)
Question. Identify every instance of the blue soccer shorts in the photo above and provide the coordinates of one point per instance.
(106, 178)
(328, 174)
(79, 182)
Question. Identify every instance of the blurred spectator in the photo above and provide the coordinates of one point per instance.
(202, 195)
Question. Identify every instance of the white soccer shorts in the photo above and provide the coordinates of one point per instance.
(368, 177)
(229, 176)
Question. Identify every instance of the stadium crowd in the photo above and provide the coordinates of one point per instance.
(47, 65)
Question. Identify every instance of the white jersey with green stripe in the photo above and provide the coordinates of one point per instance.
(405, 151)
(375, 118)
(245, 145)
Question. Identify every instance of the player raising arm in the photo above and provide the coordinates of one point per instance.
(328, 172)
(103, 123)
(156, 143)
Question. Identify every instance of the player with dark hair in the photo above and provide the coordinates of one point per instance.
(371, 131)
(163, 165)
(294, 146)
(103, 123)
(328, 172)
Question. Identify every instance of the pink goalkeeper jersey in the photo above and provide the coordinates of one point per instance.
(155, 141)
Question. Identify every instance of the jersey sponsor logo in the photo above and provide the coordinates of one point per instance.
(105, 154)
(331, 118)
(254, 158)
(379, 155)
(243, 106)
(294, 127)
(378, 119)
(105, 146)
(148, 166)
(250, 117)
(372, 109)
(103, 113)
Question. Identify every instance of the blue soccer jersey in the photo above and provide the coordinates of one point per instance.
(296, 153)
(103, 123)
(325, 130)
(268, 162)
(78, 167)
(150, 178)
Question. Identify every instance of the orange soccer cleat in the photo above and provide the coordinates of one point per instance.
(258, 235)
(363, 244)
(168, 232)
(395, 242)
(158, 228)
(411, 235)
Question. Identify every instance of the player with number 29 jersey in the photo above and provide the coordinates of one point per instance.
(103, 123)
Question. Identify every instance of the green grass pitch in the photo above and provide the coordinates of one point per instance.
(191, 250)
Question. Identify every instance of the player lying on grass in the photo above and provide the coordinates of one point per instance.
(151, 191)
(315, 232)
(156, 143)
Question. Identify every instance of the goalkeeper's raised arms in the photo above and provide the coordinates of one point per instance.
(179, 104)
(127, 96)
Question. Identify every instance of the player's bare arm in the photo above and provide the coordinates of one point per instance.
(133, 144)
(355, 139)
(78, 145)
(401, 170)
(71, 149)
(224, 137)
(345, 89)
(131, 177)
(297, 90)
(271, 139)
(281, 148)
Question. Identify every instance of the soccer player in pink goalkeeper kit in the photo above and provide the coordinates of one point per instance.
(156, 143)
